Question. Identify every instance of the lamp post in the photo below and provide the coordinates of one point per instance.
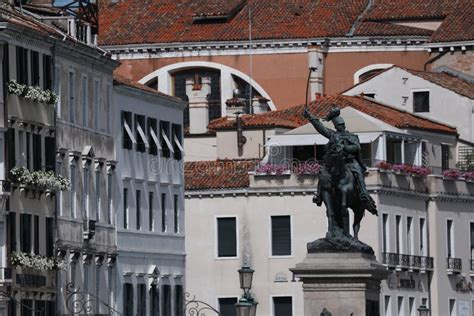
(423, 310)
(246, 306)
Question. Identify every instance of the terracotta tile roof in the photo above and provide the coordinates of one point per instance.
(448, 81)
(389, 29)
(167, 21)
(219, 174)
(294, 115)
(120, 80)
(218, 8)
(457, 26)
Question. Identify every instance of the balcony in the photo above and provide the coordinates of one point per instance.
(411, 263)
(454, 265)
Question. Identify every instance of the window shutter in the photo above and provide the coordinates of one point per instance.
(227, 237)
(281, 236)
(126, 140)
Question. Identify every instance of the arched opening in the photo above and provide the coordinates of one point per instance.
(369, 71)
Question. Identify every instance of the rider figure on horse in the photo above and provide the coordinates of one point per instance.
(351, 150)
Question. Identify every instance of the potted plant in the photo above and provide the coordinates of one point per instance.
(451, 174)
(384, 166)
(307, 168)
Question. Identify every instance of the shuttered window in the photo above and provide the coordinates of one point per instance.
(126, 130)
(281, 236)
(140, 129)
(226, 237)
(165, 142)
(166, 300)
(227, 306)
(152, 136)
(282, 306)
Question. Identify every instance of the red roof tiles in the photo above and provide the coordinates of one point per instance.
(119, 80)
(293, 117)
(389, 29)
(219, 174)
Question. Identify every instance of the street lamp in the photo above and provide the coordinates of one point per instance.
(246, 306)
(423, 310)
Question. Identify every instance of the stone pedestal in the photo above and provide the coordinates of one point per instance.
(345, 283)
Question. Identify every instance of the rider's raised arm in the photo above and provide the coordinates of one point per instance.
(323, 130)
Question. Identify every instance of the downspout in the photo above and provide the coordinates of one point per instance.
(428, 274)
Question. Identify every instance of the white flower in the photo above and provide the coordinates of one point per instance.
(33, 94)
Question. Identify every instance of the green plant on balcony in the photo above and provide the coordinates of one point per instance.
(46, 180)
(36, 262)
(32, 93)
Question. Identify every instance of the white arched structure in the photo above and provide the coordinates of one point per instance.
(368, 68)
(227, 83)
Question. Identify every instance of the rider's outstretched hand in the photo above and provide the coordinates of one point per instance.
(307, 114)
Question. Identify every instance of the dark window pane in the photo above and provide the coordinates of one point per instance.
(282, 306)
(22, 65)
(281, 236)
(47, 78)
(226, 237)
(165, 130)
(139, 210)
(163, 212)
(444, 157)
(125, 208)
(25, 232)
(36, 236)
(37, 163)
(12, 230)
(11, 148)
(141, 293)
(177, 138)
(176, 215)
(35, 78)
(179, 306)
(152, 126)
(421, 101)
(227, 306)
(49, 237)
(50, 153)
(127, 299)
(26, 307)
(154, 300)
(166, 300)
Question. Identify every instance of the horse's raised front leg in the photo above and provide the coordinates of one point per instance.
(358, 214)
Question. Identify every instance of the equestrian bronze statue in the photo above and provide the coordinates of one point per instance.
(341, 185)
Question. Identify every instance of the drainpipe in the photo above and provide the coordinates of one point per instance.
(428, 273)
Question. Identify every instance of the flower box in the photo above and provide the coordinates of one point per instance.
(30, 93)
(38, 180)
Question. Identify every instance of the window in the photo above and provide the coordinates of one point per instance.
(472, 244)
(109, 197)
(139, 211)
(163, 212)
(226, 237)
(73, 190)
(152, 137)
(387, 305)
(12, 230)
(36, 248)
(385, 233)
(151, 215)
(96, 104)
(452, 307)
(22, 65)
(423, 250)
(449, 238)
(166, 300)
(400, 306)
(57, 90)
(165, 142)
(28, 150)
(421, 102)
(98, 178)
(177, 142)
(127, 136)
(108, 104)
(281, 235)
(27, 308)
(49, 237)
(176, 213)
(125, 208)
(25, 232)
(72, 96)
(49, 153)
(282, 306)
(37, 163)
(178, 303)
(35, 76)
(47, 67)
(398, 222)
(142, 142)
(227, 306)
(11, 148)
(141, 299)
(86, 192)
(409, 236)
(154, 300)
(411, 306)
(444, 156)
(128, 299)
(84, 97)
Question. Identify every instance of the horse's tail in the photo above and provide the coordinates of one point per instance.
(371, 206)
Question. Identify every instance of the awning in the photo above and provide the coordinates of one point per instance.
(176, 141)
(155, 138)
(313, 139)
(167, 141)
(129, 132)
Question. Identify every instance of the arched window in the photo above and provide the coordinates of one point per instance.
(369, 71)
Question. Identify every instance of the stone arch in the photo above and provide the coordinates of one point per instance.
(164, 74)
(369, 69)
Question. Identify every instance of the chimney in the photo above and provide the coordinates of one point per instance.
(236, 105)
(198, 92)
(259, 105)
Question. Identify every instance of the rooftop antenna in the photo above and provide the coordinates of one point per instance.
(250, 59)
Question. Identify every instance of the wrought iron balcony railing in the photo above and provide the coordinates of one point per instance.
(454, 264)
(403, 261)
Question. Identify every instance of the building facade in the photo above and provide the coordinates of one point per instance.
(150, 211)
